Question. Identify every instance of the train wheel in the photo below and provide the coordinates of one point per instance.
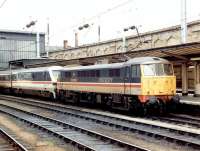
(20, 93)
(76, 98)
(93, 99)
(174, 103)
(61, 96)
(136, 107)
(144, 110)
(104, 100)
(162, 107)
(51, 97)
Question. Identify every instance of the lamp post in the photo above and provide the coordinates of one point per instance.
(183, 21)
(124, 46)
(76, 33)
(32, 23)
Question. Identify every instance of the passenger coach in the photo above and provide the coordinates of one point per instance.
(5, 81)
(35, 81)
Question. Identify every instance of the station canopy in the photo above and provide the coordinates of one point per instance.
(175, 53)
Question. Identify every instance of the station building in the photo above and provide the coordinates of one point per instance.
(15, 45)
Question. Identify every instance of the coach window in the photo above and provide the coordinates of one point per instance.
(66, 76)
(14, 77)
(47, 76)
(38, 76)
(28, 76)
(1, 78)
(34, 76)
(73, 74)
(7, 77)
(21, 76)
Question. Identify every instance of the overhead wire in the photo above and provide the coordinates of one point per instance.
(104, 12)
(2, 4)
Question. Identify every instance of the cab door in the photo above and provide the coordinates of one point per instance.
(127, 84)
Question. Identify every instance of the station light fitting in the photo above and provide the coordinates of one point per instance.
(131, 27)
(80, 28)
(125, 29)
(84, 26)
(32, 23)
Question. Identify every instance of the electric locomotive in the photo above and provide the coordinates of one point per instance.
(139, 83)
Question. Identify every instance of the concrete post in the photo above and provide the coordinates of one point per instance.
(124, 42)
(196, 80)
(183, 21)
(184, 79)
(38, 44)
(76, 39)
(198, 73)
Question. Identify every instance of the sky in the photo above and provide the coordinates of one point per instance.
(65, 16)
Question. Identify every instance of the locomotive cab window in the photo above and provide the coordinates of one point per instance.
(168, 69)
(157, 69)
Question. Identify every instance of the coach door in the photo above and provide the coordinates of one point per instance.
(127, 85)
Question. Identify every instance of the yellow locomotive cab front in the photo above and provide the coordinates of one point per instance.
(162, 85)
(158, 81)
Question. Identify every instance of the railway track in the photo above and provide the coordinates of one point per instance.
(9, 143)
(180, 119)
(82, 138)
(167, 132)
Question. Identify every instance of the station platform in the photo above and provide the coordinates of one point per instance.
(190, 100)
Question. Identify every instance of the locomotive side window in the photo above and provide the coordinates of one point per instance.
(104, 73)
(114, 73)
(135, 73)
(127, 72)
